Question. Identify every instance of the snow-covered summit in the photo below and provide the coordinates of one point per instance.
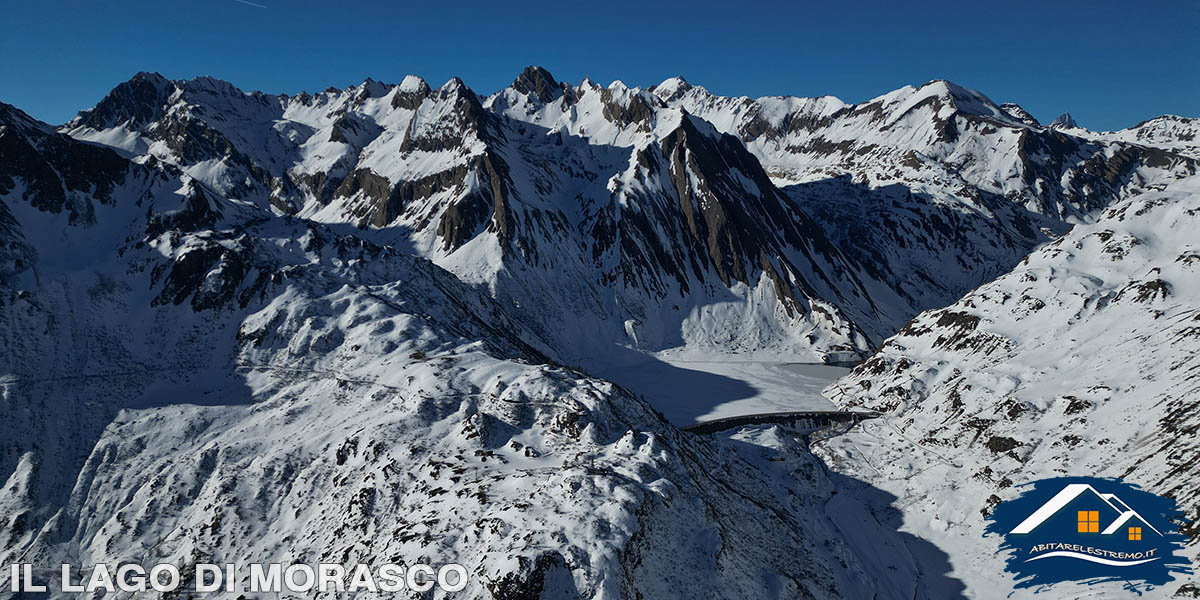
(413, 83)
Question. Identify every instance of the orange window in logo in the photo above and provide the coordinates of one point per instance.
(1135, 533)
(1089, 521)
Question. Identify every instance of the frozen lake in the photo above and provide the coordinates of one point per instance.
(689, 391)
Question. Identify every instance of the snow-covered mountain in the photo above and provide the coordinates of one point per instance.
(617, 217)
(933, 189)
(644, 229)
(190, 378)
(1177, 134)
(1084, 360)
(247, 327)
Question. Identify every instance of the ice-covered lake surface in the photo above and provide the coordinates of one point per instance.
(692, 389)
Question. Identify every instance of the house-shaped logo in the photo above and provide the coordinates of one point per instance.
(1089, 530)
(1083, 510)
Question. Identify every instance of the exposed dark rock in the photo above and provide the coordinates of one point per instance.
(467, 117)
(532, 579)
(999, 444)
(374, 186)
(728, 219)
(198, 212)
(58, 172)
(411, 99)
(537, 82)
(1147, 291)
(134, 103)
(462, 219)
(638, 109)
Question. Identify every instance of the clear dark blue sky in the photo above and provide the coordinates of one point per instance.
(1111, 64)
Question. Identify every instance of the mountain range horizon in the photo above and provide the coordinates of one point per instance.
(586, 80)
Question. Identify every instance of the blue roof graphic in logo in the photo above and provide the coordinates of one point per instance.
(1089, 530)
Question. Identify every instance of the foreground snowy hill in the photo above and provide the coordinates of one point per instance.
(189, 378)
(1085, 360)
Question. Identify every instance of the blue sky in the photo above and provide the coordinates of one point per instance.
(1111, 64)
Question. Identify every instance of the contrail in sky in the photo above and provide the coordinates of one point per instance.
(250, 3)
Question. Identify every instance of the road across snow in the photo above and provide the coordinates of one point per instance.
(690, 391)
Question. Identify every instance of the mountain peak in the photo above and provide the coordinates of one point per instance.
(410, 93)
(672, 88)
(943, 86)
(206, 83)
(454, 85)
(675, 82)
(413, 83)
(456, 89)
(153, 78)
(134, 102)
(371, 88)
(950, 98)
(537, 82)
(955, 92)
(618, 86)
(1064, 121)
(15, 117)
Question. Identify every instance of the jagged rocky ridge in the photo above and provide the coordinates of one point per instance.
(190, 378)
(616, 217)
(1081, 361)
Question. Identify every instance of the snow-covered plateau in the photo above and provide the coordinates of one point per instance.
(406, 324)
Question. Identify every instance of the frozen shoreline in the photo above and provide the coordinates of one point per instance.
(690, 391)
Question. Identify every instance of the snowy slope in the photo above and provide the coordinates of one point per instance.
(192, 378)
(1082, 361)
(1178, 134)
